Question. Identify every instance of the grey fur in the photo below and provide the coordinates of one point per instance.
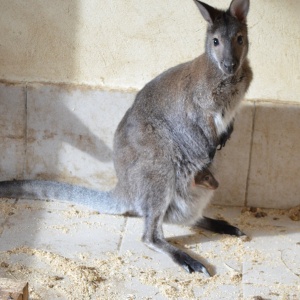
(171, 132)
(51, 190)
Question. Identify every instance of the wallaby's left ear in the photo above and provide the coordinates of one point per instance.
(208, 12)
(239, 9)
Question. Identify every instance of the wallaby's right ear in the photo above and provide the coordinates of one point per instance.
(209, 13)
(239, 9)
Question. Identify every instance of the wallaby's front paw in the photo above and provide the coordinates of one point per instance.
(223, 140)
(189, 264)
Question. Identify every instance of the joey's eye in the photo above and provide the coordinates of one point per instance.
(206, 178)
(216, 42)
(240, 39)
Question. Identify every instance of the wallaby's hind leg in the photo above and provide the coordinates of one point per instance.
(218, 226)
(153, 237)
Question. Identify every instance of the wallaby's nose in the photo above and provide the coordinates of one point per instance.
(229, 66)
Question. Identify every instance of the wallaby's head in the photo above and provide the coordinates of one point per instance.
(226, 39)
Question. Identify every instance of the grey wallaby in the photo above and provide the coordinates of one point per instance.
(169, 135)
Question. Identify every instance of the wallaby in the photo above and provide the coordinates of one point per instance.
(169, 134)
(205, 179)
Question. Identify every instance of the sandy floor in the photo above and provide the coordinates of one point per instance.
(68, 252)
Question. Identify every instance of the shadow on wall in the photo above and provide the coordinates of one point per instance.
(70, 133)
(59, 132)
(48, 126)
(62, 123)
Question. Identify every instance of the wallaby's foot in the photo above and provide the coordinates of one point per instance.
(155, 240)
(188, 263)
(218, 226)
(178, 256)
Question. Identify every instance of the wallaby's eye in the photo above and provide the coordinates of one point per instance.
(206, 178)
(216, 42)
(240, 40)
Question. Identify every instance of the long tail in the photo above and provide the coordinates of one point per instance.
(104, 202)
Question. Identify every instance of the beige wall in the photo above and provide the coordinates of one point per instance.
(122, 44)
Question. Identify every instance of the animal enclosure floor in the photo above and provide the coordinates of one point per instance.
(70, 252)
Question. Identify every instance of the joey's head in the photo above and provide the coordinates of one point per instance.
(227, 39)
(206, 180)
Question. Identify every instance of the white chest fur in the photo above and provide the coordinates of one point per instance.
(228, 94)
(222, 120)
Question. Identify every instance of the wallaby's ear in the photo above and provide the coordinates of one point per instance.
(209, 13)
(239, 9)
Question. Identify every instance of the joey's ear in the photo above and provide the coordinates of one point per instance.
(209, 13)
(239, 9)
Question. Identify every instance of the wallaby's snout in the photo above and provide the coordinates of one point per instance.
(229, 64)
(235, 48)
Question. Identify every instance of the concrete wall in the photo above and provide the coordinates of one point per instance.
(70, 70)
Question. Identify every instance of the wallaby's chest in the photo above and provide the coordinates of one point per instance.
(227, 96)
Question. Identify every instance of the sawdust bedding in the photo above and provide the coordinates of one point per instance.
(64, 278)
(54, 276)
